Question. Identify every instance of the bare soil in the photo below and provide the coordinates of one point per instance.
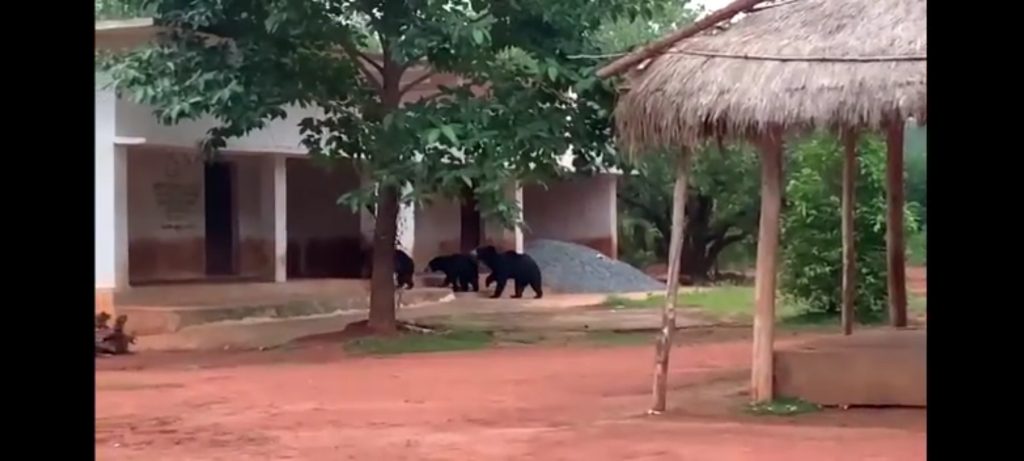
(312, 401)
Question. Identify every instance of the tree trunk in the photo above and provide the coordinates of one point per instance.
(767, 253)
(849, 254)
(895, 249)
(382, 317)
(382, 282)
(668, 315)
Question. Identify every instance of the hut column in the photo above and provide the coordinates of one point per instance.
(770, 146)
(849, 138)
(668, 314)
(896, 272)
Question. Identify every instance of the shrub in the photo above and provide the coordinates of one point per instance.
(812, 233)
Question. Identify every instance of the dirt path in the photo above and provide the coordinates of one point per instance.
(564, 403)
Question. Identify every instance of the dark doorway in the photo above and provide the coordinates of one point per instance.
(220, 219)
(472, 232)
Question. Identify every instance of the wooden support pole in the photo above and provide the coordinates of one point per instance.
(895, 244)
(767, 255)
(625, 62)
(668, 314)
(849, 203)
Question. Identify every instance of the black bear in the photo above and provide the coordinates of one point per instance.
(405, 267)
(461, 271)
(521, 268)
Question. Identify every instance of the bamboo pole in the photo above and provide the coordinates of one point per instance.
(849, 138)
(625, 62)
(895, 245)
(767, 255)
(668, 314)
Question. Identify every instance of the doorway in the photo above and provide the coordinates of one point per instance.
(220, 219)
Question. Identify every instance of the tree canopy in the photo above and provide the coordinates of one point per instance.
(519, 105)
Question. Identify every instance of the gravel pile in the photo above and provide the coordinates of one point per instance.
(571, 268)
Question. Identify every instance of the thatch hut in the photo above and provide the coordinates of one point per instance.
(785, 66)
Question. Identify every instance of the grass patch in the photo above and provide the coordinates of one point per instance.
(783, 406)
(736, 304)
(455, 340)
(726, 303)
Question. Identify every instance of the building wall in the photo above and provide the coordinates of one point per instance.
(255, 250)
(438, 230)
(579, 210)
(105, 193)
(166, 221)
(324, 238)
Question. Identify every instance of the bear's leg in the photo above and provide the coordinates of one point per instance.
(490, 280)
(537, 289)
(499, 287)
(520, 287)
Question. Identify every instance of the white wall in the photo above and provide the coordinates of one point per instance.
(109, 162)
(280, 136)
(580, 210)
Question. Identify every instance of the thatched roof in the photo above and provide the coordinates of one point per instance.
(801, 64)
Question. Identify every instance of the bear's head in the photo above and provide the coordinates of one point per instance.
(438, 264)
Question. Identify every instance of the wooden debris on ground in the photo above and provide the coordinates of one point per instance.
(114, 340)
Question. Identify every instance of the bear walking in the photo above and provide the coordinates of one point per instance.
(461, 271)
(521, 268)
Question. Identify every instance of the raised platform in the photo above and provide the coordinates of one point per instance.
(869, 368)
(161, 309)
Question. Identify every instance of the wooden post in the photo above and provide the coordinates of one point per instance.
(849, 203)
(895, 246)
(767, 254)
(668, 314)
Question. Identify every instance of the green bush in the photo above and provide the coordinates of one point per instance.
(811, 227)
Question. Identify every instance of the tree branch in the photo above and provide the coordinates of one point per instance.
(658, 46)
(416, 81)
(362, 60)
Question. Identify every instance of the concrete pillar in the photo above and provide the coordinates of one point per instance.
(507, 239)
(518, 231)
(111, 223)
(274, 201)
(407, 224)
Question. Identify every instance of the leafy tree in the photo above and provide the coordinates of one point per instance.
(522, 102)
(721, 210)
(811, 226)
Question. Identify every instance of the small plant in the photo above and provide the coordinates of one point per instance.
(455, 340)
(783, 406)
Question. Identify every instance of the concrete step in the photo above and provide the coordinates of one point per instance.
(869, 368)
(169, 316)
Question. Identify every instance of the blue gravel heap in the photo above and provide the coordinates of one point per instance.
(571, 268)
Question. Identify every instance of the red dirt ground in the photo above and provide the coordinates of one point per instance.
(313, 402)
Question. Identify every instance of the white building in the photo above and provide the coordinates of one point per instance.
(265, 212)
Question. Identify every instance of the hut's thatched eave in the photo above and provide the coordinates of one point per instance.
(801, 64)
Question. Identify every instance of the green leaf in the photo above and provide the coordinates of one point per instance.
(552, 73)
(478, 36)
(449, 133)
(432, 135)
